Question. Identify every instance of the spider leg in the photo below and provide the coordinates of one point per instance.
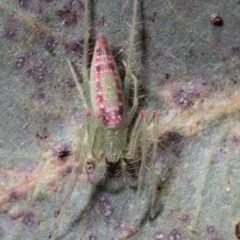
(129, 74)
(79, 158)
(130, 54)
(139, 128)
(84, 164)
(139, 132)
(79, 87)
(85, 57)
(135, 97)
(85, 47)
(128, 120)
(153, 160)
(143, 129)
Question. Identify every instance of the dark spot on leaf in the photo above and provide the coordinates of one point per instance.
(75, 46)
(237, 230)
(100, 21)
(235, 140)
(181, 99)
(67, 171)
(10, 33)
(63, 153)
(13, 196)
(152, 18)
(28, 218)
(185, 218)
(25, 4)
(42, 134)
(61, 150)
(104, 206)
(211, 230)
(70, 82)
(71, 12)
(216, 20)
(75, 5)
(235, 50)
(92, 237)
(175, 235)
(167, 76)
(50, 44)
(40, 95)
(213, 233)
(234, 80)
(56, 213)
(20, 62)
(173, 140)
(38, 71)
(69, 17)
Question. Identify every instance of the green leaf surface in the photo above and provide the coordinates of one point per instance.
(188, 69)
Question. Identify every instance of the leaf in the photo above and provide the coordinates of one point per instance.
(188, 69)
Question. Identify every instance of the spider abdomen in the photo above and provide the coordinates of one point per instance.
(106, 86)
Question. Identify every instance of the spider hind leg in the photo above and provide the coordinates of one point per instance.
(148, 155)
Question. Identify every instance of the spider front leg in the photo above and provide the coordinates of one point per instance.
(139, 133)
(79, 161)
(89, 168)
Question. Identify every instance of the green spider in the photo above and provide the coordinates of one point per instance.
(112, 137)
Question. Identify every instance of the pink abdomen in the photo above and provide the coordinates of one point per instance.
(106, 86)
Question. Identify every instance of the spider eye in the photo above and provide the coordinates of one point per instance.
(114, 157)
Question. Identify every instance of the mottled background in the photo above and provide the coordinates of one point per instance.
(188, 67)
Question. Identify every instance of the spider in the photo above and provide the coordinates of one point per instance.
(113, 133)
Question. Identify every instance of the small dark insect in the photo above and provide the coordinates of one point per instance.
(216, 20)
